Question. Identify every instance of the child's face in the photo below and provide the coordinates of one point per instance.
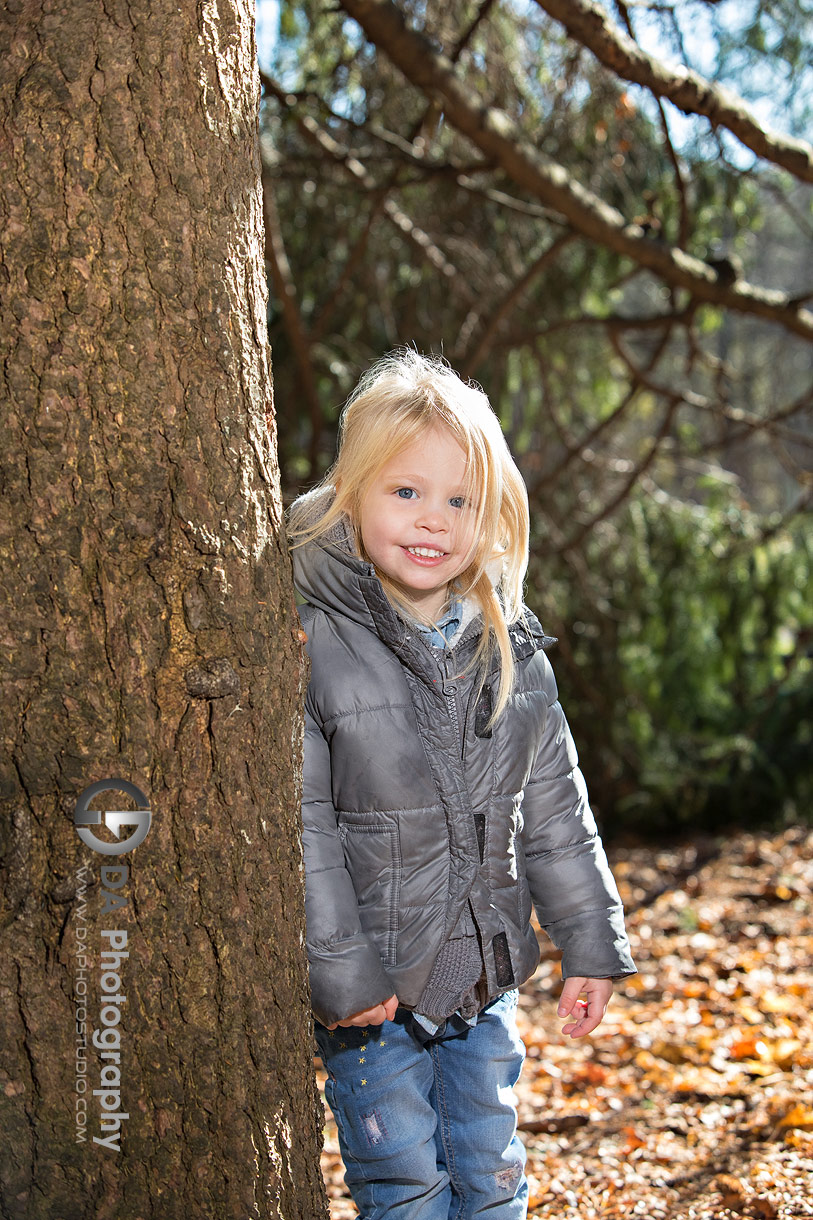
(415, 523)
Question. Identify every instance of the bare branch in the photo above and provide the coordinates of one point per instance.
(680, 183)
(471, 360)
(300, 99)
(497, 135)
(353, 261)
(285, 288)
(800, 505)
(481, 14)
(588, 23)
(629, 483)
(351, 164)
(514, 204)
(613, 321)
(578, 448)
(748, 421)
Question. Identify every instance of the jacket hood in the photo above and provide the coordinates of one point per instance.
(328, 573)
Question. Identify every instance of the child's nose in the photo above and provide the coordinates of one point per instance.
(434, 516)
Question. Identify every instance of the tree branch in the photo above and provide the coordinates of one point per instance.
(285, 288)
(352, 166)
(748, 421)
(324, 315)
(498, 136)
(588, 23)
(626, 488)
(577, 448)
(470, 360)
(680, 182)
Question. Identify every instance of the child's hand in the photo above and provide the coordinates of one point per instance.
(372, 1016)
(587, 1013)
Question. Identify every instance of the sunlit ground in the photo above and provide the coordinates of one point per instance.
(694, 1100)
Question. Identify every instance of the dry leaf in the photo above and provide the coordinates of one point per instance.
(800, 1117)
(732, 1191)
(633, 1140)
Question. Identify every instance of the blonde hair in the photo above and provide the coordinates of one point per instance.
(399, 399)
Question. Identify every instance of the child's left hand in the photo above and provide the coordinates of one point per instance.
(587, 1013)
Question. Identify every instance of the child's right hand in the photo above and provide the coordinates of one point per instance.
(372, 1016)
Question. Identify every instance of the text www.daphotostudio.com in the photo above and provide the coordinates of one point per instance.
(106, 1037)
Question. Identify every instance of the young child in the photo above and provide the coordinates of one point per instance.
(442, 796)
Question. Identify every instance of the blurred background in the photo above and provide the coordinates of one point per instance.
(628, 277)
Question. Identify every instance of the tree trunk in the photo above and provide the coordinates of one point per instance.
(156, 1053)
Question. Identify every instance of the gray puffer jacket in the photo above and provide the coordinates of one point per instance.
(412, 809)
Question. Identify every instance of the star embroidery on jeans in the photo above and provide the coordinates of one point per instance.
(382, 1043)
(362, 1059)
(365, 1033)
(364, 1082)
(342, 1046)
(363, 1048)
(330, 1033)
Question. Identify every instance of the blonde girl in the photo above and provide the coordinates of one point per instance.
(442, 798)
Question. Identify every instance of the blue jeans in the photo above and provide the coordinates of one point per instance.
(427, 1124)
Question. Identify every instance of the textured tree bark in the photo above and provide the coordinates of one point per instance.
(148, 632)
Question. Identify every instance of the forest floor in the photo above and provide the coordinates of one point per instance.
(694, 1098)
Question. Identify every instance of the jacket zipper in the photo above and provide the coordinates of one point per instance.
(451, 695)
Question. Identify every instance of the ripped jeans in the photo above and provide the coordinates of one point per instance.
(427, 1124)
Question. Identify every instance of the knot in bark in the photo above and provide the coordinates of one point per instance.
(212, 679)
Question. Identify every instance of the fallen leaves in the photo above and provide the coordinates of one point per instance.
(800, 1116)
(694, 1099)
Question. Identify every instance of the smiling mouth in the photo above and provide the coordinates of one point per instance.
(425, 552)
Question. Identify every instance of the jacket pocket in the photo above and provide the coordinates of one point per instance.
(373, 857)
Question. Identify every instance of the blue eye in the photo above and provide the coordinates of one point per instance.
(406, 493)
(458, 501)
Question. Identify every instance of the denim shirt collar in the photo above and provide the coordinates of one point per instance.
(441, 632)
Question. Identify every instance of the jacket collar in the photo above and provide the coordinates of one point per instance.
(526, 636)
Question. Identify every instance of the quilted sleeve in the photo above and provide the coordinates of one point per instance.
(573, 890)
(346, 971)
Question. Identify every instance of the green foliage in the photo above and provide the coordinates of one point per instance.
(764, 45)
(699, 706)
(657, 435)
